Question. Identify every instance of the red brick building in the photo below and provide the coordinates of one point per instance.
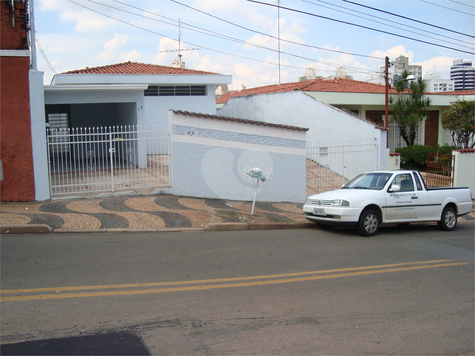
(15, 125)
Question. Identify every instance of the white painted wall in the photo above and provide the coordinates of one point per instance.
(38, 136)
(464, 169)
(156, 107)
(296, 108)
(209, 156)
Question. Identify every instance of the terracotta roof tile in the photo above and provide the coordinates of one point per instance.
(336, 85)
(252, 122)
(341, 85)
(457, 92)
(136, 68)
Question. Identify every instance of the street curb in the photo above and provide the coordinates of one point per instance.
(256, 226)
(25, 229)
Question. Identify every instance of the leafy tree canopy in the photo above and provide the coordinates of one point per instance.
(459, 119)
(409, 107)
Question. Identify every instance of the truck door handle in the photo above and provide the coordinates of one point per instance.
(414, 198)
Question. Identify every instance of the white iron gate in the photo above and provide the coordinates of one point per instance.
(96, 159)
(330, 164)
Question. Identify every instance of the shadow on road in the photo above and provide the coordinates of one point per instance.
(113, 343)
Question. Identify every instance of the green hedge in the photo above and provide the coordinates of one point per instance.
(415, 157)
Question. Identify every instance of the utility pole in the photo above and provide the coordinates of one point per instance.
(32, 37)
(278, 33)
(386, 94)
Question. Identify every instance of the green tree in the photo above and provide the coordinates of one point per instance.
(459, 119)
(409, 107)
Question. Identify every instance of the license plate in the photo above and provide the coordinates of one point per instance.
(318, 211)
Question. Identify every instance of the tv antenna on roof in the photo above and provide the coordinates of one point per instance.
(179, 46)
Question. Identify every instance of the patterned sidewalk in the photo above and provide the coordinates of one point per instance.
(155, 212)
(145, 212)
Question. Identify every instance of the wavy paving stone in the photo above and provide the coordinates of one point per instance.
(55, 207)
(192, 203)
(117, 218)
(31, 208)
(217, 204)
(174, 219)
(171, 202)
(117, 204)
(145, 220)
(14, 219)
(109, 221)
(196, 218)
(74, 221)
(53, 220)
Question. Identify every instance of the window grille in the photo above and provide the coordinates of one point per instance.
(181, 90)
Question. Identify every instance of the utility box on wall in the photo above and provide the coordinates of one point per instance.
(209, 154)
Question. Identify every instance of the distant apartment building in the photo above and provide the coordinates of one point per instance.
(342, 73)
(310, 74)
(398, 66)
(463, 74)
(437, 84)
(401, 64)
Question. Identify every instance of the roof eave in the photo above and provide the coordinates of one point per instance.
(203, 79)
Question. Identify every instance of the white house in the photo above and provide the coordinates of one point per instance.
(125, 94)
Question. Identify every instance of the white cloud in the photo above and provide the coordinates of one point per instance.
(111, 47)
(439, 65)
(87, 21)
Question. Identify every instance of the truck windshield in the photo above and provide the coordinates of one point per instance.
(375, 181)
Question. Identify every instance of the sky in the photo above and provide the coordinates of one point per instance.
(256, 42)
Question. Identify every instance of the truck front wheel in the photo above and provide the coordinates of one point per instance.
(448, 220)
(369, 222)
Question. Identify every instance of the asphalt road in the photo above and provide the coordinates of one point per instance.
(406, 291)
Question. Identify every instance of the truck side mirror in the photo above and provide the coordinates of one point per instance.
(394, 188)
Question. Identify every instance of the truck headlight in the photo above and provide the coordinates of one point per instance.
(339, 202)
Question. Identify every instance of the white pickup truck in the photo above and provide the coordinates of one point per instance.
(375, 198)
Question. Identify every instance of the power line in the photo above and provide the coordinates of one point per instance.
(360, 26)
(353, 69)
(461, 3)
(408, 18)
(270, 36)
(43, 54)
(448, 8)
(189, 43)
(381, 18)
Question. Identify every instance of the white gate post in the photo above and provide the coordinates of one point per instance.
(111, 151)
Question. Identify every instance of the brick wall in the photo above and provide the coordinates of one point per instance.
(15, 124)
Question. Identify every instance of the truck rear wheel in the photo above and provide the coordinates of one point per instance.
(369, 222)
(448, 220)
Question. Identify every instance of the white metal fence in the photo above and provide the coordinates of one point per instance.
(330, 164)
(96, 159)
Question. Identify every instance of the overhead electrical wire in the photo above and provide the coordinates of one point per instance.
(266, 34)
(352, 69)
(448, 8)
(381, 18)
(192, 44)
(43, 54)
(408, 18)
(461, 3)
(360, 26)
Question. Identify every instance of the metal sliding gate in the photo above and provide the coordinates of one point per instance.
(330, 164)
(100, 159)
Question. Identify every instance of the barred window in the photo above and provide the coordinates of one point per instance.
(182, 90)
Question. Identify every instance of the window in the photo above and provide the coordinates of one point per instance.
(58, 135)
(418, 181)
(404, 181)
(178, 90)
